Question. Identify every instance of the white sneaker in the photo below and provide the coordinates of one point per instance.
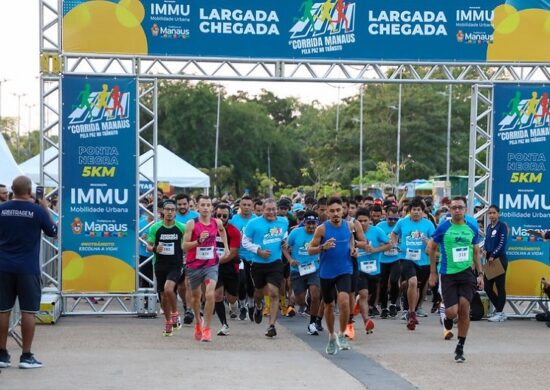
(497, 317)
(224, 331)
(312, 330)
(233, 308)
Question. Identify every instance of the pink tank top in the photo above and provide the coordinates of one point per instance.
(204, 255)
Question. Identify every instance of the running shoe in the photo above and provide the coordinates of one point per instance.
(349, 332)
(290, 312)
(435, 307)
(375, 312)
(206, 335)
(168, 327)
(459, 354)
(251, 313)
(497, 317)
(404, 315)
(198, 332)
(176, 320)
(319, 325)
(420, 312)
(271, 331)
(258, 316)
(393, 311)
(447, 334)
(27, 360)
(242, 313)
(369, 326)
(411, 322)
(384, 313)
(5, 359)
(312, 330)
(224, 331)
(332, 346)
(188, 317)
(233, 310)
(343, 344)
(447, 323)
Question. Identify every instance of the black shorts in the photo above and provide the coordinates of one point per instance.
(462, 284)
(330, 287)
(263, 274)
(172, 273)
(228, 279)
(28, 288)
(367, 282)
(408, 269)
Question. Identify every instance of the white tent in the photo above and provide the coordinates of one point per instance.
(174, 170)
(171, 168)
(8, 167)
(31, 167)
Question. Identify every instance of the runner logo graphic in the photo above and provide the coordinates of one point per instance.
(323, 26)
(93, 106)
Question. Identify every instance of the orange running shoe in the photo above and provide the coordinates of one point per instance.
(356, 310)
(350, 331)
(369, 326)
(206, 335)
(198, 332)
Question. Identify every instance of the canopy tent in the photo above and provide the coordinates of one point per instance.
(10, 169)
(171, 168)
(31, 167)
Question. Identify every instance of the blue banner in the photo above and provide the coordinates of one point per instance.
(521, 137)
(389, 30)
(98, 196)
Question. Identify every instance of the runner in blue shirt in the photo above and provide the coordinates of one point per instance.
(304, 268)
(413, 235)
(264, 237)
(368, 261)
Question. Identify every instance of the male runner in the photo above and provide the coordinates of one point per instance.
(165, 241)
(390, 268)
(264, 237)
(304, 268)
(201, 267)
(334, 240)
(413, 234)
(458, 239)
(228, 273)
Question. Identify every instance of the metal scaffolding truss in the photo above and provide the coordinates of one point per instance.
(148, 70)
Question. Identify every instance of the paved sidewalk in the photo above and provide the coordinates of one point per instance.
(123, 353)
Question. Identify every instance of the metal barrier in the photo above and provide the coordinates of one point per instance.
(15, 320)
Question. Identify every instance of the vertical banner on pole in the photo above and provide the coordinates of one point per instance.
(98, 194)
(521, 180)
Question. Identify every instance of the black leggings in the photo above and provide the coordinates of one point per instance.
(389, 273)
(498, 299)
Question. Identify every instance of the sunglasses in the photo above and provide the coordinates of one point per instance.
(223, 216)
(457, 207)
(393, 219)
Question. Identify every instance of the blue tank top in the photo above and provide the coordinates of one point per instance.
(336, 261)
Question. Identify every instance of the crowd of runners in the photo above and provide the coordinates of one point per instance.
(354, 259)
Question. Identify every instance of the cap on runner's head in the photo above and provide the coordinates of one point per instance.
(378, 202)
(297, 207)
(311, 216)
(284, 203)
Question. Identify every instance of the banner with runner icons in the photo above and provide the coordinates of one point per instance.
(389, 30)
(521, 152)
(98, 195)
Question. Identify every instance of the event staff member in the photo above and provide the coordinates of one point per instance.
(458, 240)
(21, 222)
(495, 248)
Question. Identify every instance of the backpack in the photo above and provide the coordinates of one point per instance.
(477, 311)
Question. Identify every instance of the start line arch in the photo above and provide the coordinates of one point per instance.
(56, 63)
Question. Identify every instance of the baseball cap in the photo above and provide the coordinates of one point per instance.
(284, 203)
(378, 202)
(297, 207)
(311, 216)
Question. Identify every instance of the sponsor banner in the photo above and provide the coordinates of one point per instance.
(98, 184)
(521, 137)
(389, 30)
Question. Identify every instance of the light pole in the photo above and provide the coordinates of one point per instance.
(29, 107)
(398, 157)
(217, 143)
(1, 82)
(19, 96)
(361, 142)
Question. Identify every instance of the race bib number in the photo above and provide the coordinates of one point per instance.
(413, 254)
(220, 252)
(306, 269)
(167, 248)
(392, 252)
(460, 254)
(205, 253)
(368, 266)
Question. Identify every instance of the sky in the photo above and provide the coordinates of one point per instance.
(19, 70)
